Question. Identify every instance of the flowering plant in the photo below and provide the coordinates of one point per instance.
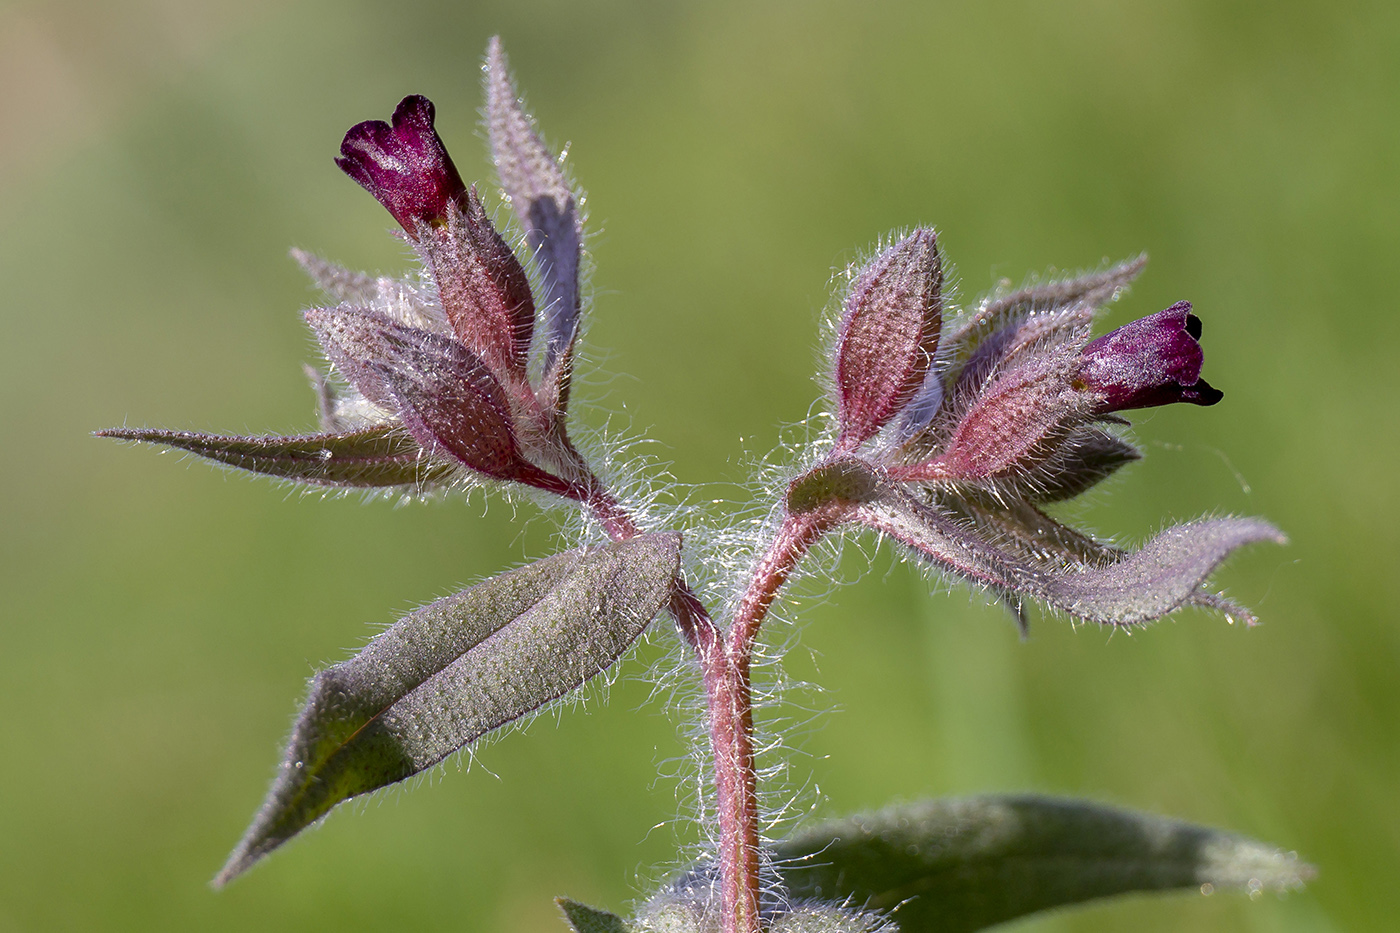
(951, 431)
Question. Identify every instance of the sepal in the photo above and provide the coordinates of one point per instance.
(483, 288)
(448, 398)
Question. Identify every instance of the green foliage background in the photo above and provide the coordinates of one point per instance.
(160, 617)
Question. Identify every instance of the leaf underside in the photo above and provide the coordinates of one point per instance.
(455, 670)
(965, 864)
(1109, 587)
(370, 458)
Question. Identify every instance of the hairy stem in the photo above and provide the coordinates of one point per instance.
(731, 711)
(725, 669)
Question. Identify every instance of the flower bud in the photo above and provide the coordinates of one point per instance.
(888, 337)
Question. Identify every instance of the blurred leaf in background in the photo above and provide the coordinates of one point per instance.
(161, 618)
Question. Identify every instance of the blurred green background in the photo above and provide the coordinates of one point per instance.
(158, 158)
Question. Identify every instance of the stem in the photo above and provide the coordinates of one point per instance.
(731, 717)
(725, 671)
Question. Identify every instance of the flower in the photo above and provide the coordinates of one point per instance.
(404, 164)
(951, 441)
(435, 380)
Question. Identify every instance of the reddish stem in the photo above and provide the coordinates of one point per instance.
(725, 670)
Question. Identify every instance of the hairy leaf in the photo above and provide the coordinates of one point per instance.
(375, 457)
(950, 866)
(453, 671)
(1119, 589)
(545, 203)
(585, 919)
(995, 313)
(449, 399)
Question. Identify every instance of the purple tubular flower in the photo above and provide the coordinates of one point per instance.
(404, 165)
(1152, 361)
(1009, 412)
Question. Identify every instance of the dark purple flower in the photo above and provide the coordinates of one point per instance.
(1016, 412)
(1152, 361)
(435, 377)
(404, 165)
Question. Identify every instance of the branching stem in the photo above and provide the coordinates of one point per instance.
(725, 669)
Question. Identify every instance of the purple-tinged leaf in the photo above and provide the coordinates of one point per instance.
(404, 165)
(1152, 361)
(483, 288)
(355, 340)
(372, 458)
(453, 671)
(448, 398)
(400, 300)
(548, 208)
(1015, 422)
(1164, 575)
(1085, 457)
(1086, 292)
(1023, 532)
(889, 334)
(961, 865)
(342, 284)
(1141, 586)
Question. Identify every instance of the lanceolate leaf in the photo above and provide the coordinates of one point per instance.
(543, 200)
(952, 866)
(453, 671)
(1089, 291)
(585, 919)
(1136, 587)
(375, 457)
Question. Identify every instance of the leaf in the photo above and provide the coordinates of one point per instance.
(964, 864)
(585, 919)
(546, 204)
(1108, 587)
(455, 670)
(375, 457)
(449, 399)
(1089, 291)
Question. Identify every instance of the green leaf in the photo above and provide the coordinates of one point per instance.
(965, 864)
(585, 919)
(455, 670)
(374, 457)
